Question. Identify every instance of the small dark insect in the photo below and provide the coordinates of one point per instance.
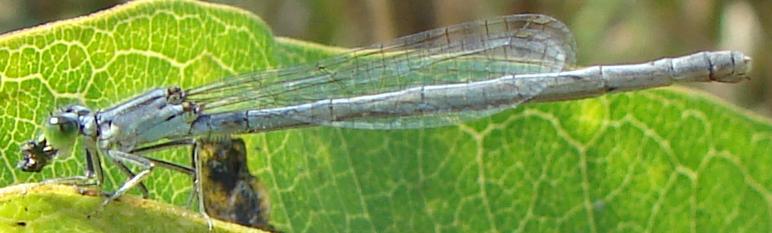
(229, 191)
(21, 224)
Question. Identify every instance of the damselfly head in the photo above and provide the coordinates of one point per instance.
(61, 131)
(37, 154)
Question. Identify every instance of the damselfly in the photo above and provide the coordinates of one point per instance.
(434, 78)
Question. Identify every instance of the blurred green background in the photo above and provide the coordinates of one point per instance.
(607, 31)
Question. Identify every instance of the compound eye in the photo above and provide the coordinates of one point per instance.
(61, 133)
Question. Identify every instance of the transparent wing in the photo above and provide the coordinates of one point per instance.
(463, 53)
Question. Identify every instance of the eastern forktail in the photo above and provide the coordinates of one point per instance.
(433, 78)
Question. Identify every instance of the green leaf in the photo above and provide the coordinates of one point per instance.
(663, 160)
(56, 208)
